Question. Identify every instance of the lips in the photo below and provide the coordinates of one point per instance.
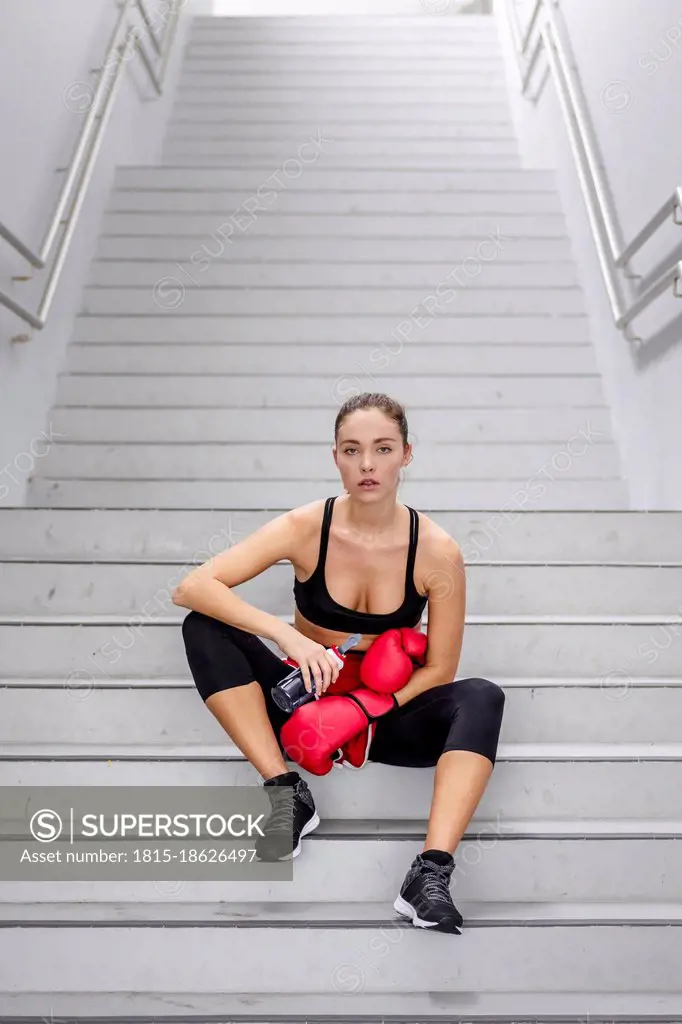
(369, 484)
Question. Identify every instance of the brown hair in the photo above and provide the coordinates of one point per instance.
(373, 400)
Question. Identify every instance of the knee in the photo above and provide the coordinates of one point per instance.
(481, 694)
(487, 694)
(194, 628)
(199, 630)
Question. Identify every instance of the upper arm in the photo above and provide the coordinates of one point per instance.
(272, 542)
(445, 583)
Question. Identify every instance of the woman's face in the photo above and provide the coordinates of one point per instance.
(369, 447)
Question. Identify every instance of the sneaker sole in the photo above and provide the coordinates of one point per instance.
(309, 826)
(407, 910)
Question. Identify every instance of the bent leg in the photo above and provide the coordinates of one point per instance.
(463, 715)
(456, 727)
(234, 672)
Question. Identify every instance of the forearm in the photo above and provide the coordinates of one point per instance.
(422, 679)
(211, 597)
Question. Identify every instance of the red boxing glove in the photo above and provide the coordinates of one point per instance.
(390, 660)
(318, 729)
(355, 753)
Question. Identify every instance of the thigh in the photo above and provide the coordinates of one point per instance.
(221, 656)
(415, 734)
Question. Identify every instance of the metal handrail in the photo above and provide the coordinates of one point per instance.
(613, 255)
(125, 42)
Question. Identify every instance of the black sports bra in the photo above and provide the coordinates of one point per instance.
(315, 603)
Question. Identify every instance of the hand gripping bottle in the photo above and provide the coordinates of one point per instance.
(290, 692)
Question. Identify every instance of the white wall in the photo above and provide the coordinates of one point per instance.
(629, 55)
(46, 52)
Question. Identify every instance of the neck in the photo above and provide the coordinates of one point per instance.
(379, 517)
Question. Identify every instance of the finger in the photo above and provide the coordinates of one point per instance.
(305, 672)
(317, 676)
(336, 669)
(325, 669)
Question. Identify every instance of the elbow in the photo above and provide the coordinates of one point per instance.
(180, 595)
(186, 592)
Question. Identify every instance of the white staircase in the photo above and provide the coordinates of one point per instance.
(191, 411)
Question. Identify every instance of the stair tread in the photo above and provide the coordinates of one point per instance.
(229, 752)
(506, 682)
(333, 914)
(384, 1006)
(368, 830)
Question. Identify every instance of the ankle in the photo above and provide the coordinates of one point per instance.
(283, 779)
(437, 856)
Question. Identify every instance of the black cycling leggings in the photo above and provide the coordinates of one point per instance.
(462, 715)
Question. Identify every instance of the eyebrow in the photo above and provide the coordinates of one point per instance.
(351, 440)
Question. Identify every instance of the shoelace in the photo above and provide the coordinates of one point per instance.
(281, 817)
(437, 885)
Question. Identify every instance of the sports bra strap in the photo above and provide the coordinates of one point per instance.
(324, 535)
(412, 551)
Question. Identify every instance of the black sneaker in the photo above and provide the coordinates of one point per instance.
(425, 896)
(282, 835)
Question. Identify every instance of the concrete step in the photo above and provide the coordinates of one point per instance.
(492, 1007)
(331, 913)
(508, 947)
(466, 56)
(183, 249)
(351, 66)
(583, 592)
(211, 179)
(261, 425)
(321, 330)
(431, 50)
(312, 201)
(69, 461)
(184, 536)
(489, 119)
(494, 123)
(478, 227)
(203, 36)
(261, 121)
(139, 359)
(170, 295)
(302, 130)
(125, 646)
(365, 152)
(208, 273)
(434, 391)
(529, 782)
(314, 198)
(262, 83)
(494, 862)
(210, 187)
(101, 721)
(605, 495)
(210, 27)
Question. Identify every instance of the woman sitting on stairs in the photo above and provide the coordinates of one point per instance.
(377, 548)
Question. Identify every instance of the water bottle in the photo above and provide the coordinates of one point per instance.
(290, 692)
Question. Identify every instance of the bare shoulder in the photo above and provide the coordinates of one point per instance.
(306, 519)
